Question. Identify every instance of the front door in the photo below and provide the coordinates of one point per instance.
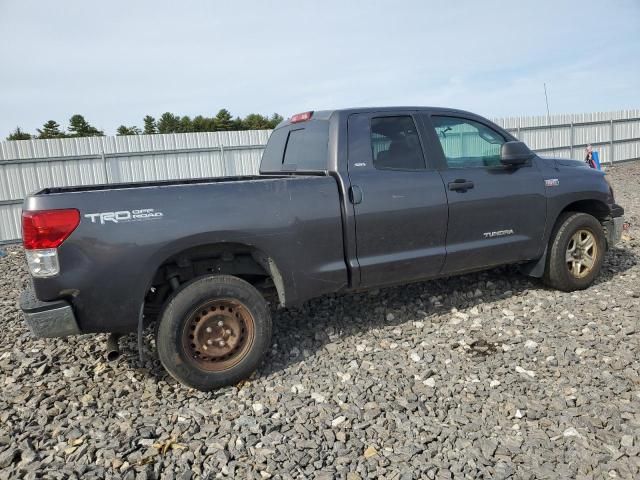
(496, 214)
(399, 200)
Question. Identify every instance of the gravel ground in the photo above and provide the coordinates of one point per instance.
(489, 375)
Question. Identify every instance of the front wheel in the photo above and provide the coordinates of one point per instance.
(214, 332)
(576, 252)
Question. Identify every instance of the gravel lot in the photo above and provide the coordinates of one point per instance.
(489, 375)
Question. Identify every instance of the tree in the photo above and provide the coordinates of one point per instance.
(255, 121)
(123, 130)
(168, 123)
(79, 127)
(223, 120)
(18, 134)
(275, 120)
(186, 125)
(51, 129)
(150, 126)
(202, 124)
(237, 124)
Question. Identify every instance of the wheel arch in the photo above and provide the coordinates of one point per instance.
(592, 206)
(224, 254)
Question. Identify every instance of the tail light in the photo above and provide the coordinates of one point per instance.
(301, 117)
(42, 233)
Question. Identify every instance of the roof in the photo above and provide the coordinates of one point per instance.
(326, 114)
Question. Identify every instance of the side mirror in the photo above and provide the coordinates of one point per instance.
(515, 154)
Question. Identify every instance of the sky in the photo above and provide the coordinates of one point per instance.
(116, 61)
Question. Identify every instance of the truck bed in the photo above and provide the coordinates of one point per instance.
(118, 246)
(151, 184)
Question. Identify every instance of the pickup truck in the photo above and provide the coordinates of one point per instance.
(345, 200)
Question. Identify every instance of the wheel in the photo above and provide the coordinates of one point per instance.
(576, 252)
(213, 332)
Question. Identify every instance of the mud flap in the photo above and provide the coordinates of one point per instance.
(536, 267)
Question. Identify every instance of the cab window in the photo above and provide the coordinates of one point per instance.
(395, 143)
(466, 143)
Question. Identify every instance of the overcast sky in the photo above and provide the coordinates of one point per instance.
(116, 61)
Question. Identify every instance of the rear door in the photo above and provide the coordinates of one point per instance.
(496, 214)
(399, 200)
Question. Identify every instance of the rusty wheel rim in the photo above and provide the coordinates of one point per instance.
(582, 253)
(218, 334)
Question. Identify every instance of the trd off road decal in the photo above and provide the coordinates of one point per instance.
(123, 216)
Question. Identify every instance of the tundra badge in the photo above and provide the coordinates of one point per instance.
(499, 233)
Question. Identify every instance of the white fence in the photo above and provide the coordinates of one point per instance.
(30, 165)
(615, 135)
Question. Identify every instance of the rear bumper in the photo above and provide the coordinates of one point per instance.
(48, 319)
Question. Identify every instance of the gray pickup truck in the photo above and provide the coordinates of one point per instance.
(346, 200)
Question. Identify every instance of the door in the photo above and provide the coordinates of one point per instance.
(496, 213)
(399, 200)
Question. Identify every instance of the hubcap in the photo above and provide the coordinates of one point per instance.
(582, 252)
(218, 334)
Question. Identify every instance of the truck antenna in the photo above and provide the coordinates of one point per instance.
(550, 130)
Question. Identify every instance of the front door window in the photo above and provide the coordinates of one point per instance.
(468, 144)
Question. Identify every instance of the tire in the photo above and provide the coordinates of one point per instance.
(576, 252)
(213, 332)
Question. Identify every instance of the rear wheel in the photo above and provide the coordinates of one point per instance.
(214, 332)
(576, 252)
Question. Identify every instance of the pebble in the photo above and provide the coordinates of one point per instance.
(531, 383)
(336, 422)
(570, 432)
(317, 397)
(529, 373)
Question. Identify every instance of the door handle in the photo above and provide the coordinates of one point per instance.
(460, 184)
(355, 194)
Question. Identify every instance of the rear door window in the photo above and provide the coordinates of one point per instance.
(395, 143)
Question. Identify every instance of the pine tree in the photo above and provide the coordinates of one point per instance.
(275, 120)
(201, 124)
(237, 124)
(18, 134)
(223, 120)
(186, 125)
(51, 129)
(255, 121)
(150, 126)
(79, 127)
(123, 130)
(168, 123)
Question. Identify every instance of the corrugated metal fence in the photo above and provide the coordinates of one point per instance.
(29, 165)
(615, 135)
